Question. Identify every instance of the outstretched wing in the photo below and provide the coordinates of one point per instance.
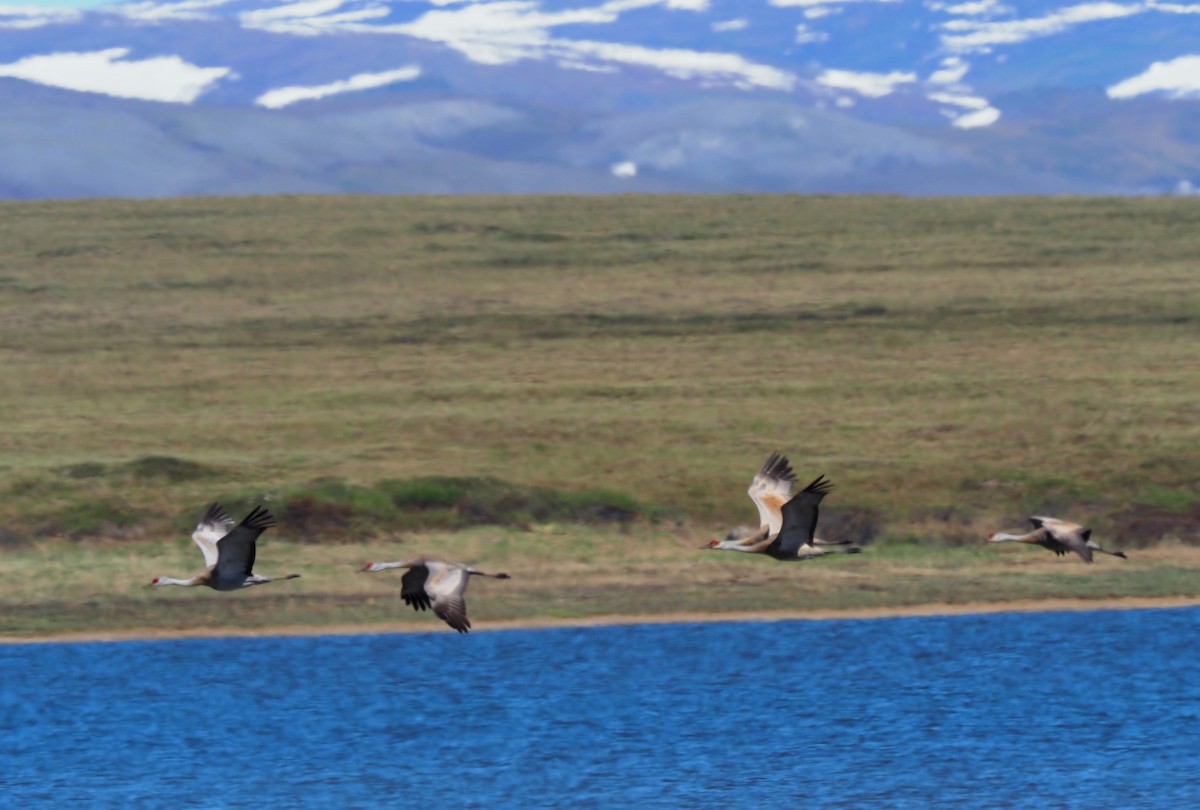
(452, 609)
(213, 525)
(1071, 540)
(412, 587)
(236, 550)
(800, 519)
(447, 586)
(1054, 524)
(770, 489)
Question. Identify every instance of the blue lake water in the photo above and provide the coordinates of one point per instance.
(1089, 710)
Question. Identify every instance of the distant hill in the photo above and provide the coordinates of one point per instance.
(199, 97)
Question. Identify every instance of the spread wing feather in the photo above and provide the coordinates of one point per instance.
(1071, 541)
(452, 609)
(1068, 536)
(237, 549)
(770, 489)
(412, 587)
(446, 586)
(213, 525)
(800, 519)
(1054, 524)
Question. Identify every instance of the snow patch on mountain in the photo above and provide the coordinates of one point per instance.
(1177, 78)
(35, 17)
(501, 33)
(151, 12)
(976, 35)
(979, 118)
(311, 17)
(948, 90)
(871, 85)
(737, 24)
(805, 35)
(713, 68)
(159, 78)
(286, 96)
(952, 71)
(835, 5)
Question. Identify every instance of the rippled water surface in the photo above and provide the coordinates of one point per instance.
(1089, 710)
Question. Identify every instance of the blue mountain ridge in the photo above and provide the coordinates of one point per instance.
(519, 96)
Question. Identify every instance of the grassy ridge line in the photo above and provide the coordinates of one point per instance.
(332, 510)
(951, 364)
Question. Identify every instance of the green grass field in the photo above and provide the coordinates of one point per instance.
(615, 369)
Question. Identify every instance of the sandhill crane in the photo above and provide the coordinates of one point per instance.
(770, 489)
(228, 551)
(1059, 536)
(437, 583)
(795, 540)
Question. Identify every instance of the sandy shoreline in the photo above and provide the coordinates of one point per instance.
(1023, 606)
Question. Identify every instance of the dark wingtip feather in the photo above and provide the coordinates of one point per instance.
(417, 601)
(820, 485)
(777, 466)
(214, 514)
(259, 518)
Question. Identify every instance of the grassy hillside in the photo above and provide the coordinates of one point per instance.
(952, 365)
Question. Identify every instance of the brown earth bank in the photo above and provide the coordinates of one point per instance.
(1020, 606)
(561, 576)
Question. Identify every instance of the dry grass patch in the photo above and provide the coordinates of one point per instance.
(558, 572)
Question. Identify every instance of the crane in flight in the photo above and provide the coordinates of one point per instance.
(229, 551)
(431, 582)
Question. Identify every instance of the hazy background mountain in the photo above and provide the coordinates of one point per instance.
(212, 97)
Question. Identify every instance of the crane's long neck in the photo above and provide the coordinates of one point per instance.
(383, 566)
(186, 583)
(1000, 537)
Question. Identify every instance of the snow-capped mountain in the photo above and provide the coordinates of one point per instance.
(445, 96)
